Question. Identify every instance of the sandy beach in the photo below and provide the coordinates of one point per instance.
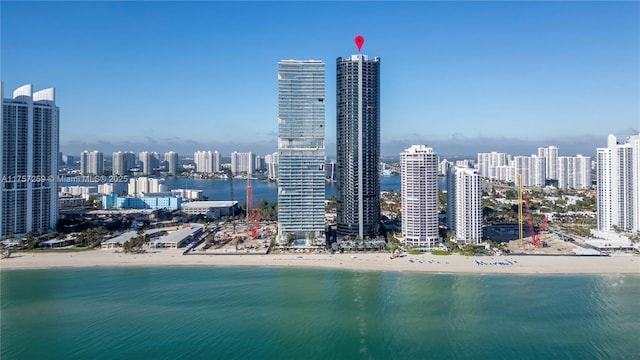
(355, 262)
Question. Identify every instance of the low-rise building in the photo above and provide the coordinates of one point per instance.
(154, 203)
(212, 209)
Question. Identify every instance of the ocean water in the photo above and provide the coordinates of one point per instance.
(276, 313)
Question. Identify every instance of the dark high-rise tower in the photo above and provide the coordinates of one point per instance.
(358, 145)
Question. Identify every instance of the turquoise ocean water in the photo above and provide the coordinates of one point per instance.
(272, 313)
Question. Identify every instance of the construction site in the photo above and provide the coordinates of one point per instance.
(540, 239)
(248, 235)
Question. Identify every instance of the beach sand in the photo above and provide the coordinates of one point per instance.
(355, 262)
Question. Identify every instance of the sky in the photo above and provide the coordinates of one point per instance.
(462, 77)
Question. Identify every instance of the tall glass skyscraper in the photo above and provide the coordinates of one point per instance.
(301, 149)
(358, 145)
(29, 162)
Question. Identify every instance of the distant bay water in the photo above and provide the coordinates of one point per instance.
(274, 313)
(216, 189)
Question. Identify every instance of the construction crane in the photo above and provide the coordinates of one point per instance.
(229, 174)
(253, 215)
(535, 238)
(520, 218)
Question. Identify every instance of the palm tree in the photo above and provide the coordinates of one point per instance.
(126, 247)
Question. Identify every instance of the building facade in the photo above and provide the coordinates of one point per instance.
(358, 146)
(171, 160)
(243, 163)
(272, 161)
(123, 162)
(618, 185)
(203, 161)
(301, 149)
(91, 163)
(143, 185)
(532, 168)
(550, 154)
(149, 162)
(147, 202)
(574, 172)
(464, 204)
(419, 193)
(29, 135)
(489, 162)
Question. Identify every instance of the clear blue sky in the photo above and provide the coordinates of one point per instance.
(462, 77)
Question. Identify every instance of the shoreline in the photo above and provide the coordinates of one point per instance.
(377, 262)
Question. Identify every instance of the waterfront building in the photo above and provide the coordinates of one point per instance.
(29, 136)
(419, 193)
(91, 163)
(211, 209)
(112, 188)
(330, 170)
(142, 185)
(84, 192)
(151, 202)
(442, 167)
(150, 162)
(204, 161)
(272, 161)
(618, 189)
(464, 204)
(466, 163)
(258, 163)
(243, 163)
(550, 154)
(171, 159)
(301, 149)
(216, 161)
(123, 162)
(358, 145)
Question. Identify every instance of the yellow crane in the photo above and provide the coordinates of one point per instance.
(520, 217)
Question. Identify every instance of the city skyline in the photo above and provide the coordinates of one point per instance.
(521, 75)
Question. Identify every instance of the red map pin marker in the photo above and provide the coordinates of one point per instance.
(359, 41)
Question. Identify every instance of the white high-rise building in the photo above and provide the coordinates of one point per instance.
(532, 169)
(618, 185)
(217, 161)
(258, 163)
(489, 162)
(551, 161)
(419, 192)
(143, 185)
(272, 161)
(150, 162)
(582, 172)
(243, 163)
(171, 159)
(464, 204)
(29, 134)
(123, 162)
(442, 167)
(204, 161)
(91, 163)
(574, 172)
